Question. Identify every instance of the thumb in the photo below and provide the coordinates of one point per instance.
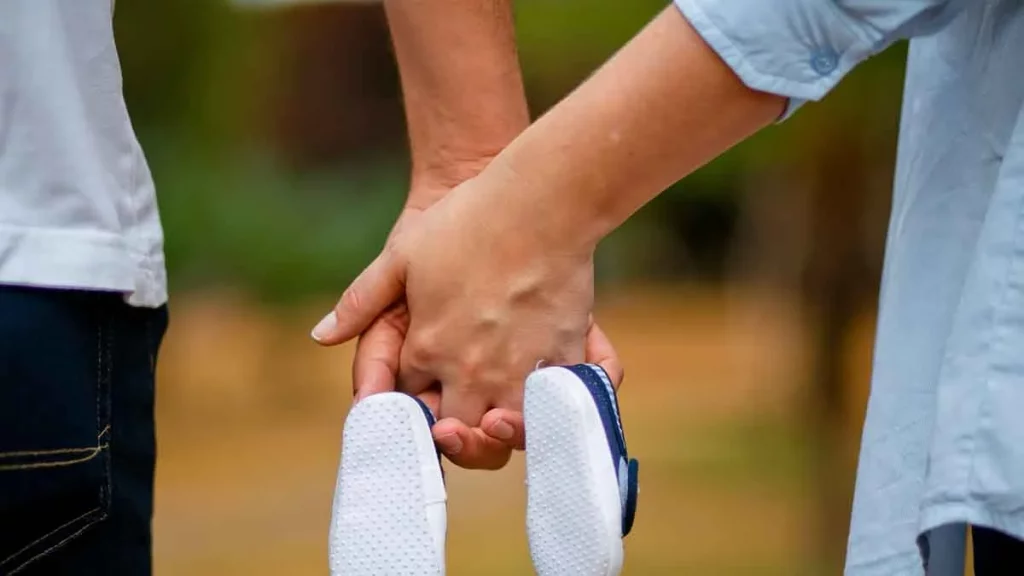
(601, 352)
(375, 366)
(379, 286)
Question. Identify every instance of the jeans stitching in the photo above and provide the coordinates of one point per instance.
(58, 544)
(25, 453)
(99, 367)
(56, 463)
(44, 537)
(105, 493)
(103, 374)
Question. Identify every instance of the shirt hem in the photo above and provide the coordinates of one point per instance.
(80, 259)
(1011, 524)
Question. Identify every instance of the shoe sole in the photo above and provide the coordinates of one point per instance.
(389, 476)
(573, 511)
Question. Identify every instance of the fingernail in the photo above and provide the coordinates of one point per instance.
(502, 430)
(325, 327)
(450, 444)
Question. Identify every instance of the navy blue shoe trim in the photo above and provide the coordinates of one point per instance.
(430, 424)
(632, 495)
(426, 412)
(600, 387)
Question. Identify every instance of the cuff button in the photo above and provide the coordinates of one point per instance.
(824, 61)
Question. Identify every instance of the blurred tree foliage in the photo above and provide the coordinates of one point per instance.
(275, 137)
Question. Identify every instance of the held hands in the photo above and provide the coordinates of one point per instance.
(466, 298)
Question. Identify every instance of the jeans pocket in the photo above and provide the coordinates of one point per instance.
(55, 373)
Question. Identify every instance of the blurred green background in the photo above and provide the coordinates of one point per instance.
(742, 300)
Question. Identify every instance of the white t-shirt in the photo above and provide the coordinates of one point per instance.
(77, 203)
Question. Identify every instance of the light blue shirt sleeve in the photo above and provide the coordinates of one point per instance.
(800, 49)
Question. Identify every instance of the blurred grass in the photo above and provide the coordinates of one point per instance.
(248, 222)
(729, 454)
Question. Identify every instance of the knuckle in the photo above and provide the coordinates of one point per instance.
(351, 300)
(392, 251)
(473, 366)
(471, 370)
(420, 349)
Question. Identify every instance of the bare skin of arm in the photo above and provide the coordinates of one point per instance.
(658, 110)
(462, 88)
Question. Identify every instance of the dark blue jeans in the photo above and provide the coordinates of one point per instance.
(77, 440)
(996, 554)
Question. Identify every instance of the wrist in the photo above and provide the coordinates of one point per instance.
(446, 167)
(434, 177)
(449, 154)
(461, 86)
(538, 211)
(558, 188)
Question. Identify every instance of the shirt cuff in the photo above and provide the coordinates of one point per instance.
(799, 49)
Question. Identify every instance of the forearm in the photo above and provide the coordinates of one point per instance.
(461, 84)
(659, 109)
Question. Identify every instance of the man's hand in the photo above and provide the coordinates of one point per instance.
(464, 102)
(480, 311)
(487, 446)
(375, 369)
